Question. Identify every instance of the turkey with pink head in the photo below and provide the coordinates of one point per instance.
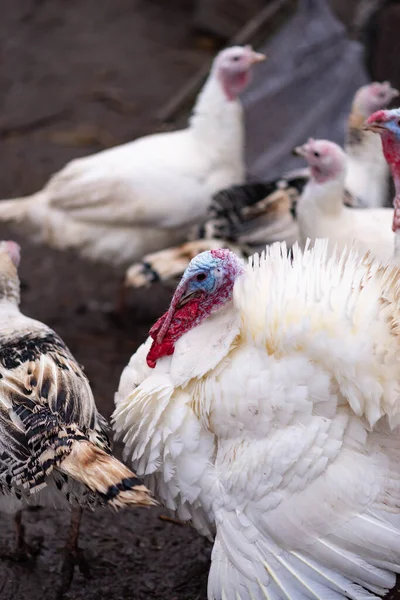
(119, 204)
(322, 214)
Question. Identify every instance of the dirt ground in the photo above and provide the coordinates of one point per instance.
(77, 76)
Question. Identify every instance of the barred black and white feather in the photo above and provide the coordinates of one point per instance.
(53, 442)
(256, 213)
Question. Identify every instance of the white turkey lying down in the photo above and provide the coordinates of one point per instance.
(54, 449)
(119, 204)
(368, 177)
(265, 408)
(321, 213)
(242, 218)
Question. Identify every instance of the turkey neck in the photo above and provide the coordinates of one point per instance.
(361, 143)
(9, 282)
(396, 213)
(217, 122)
(326, 197)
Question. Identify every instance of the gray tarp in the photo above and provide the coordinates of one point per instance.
(304, 89)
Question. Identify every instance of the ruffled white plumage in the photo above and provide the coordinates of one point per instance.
(285, 440)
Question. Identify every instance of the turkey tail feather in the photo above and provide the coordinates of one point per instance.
(103, 473)
(18, 210)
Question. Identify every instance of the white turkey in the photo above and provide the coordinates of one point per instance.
(119, 204)
(321, 212)
(367, 171)
(265, 409)
(54, 447)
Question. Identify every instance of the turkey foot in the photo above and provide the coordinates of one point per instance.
(23, 551)
(73, 555)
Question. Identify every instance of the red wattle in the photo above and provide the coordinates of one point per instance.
(183, 319)
(166, 348)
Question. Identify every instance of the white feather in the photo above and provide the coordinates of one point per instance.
(286, 439)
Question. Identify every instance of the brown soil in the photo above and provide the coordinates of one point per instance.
(77, 76)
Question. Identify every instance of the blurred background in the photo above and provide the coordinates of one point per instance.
(78, 76)
(82, 75)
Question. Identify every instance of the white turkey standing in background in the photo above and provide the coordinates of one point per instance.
(121, 203)
(322, 214)
(367, 171)
(266, 410)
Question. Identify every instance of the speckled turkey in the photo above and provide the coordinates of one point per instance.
(54, 449)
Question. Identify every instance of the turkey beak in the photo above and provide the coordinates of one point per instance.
(300, 151)
(181, 297)
(161, 327)
(394, 93)
(186, 297)
(257, 57)
(375, 126)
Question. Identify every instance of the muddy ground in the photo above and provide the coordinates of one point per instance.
(77, 76)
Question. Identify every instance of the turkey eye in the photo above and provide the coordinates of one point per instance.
(201, 277)
(236, 58)
(381, 94)
(316, 154)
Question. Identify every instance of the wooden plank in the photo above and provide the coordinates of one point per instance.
(189, 90)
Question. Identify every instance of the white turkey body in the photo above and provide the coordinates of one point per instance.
(275, 426)
(123, 202)
(369, 229)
